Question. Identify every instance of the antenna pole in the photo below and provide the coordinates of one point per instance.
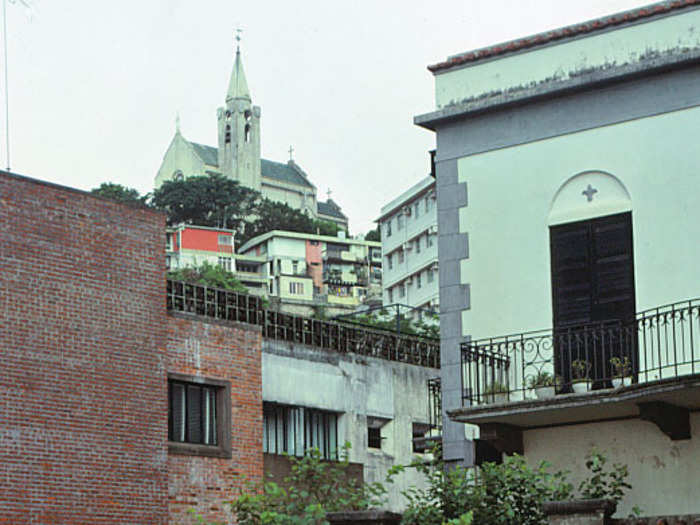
(7, 94)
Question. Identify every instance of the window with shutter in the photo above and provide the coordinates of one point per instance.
(593, 293)
(199, 416)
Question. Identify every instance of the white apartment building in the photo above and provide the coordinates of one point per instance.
(408, 226)
(304, 271)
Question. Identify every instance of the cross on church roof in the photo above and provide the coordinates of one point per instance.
(291, 152)
(328, 194)
(238, 39)
(588, 192)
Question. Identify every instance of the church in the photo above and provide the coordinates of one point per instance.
(237, 156)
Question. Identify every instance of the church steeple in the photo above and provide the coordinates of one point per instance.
(239, 130)
(238, 86)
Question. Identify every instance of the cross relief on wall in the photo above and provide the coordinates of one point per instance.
(589, 192)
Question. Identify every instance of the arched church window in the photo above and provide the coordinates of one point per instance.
(178, 175)
(247, 133)
(248, 115)
(227, 138)
(228, 115)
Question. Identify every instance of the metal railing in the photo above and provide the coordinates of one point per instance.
(659, 343)
(329, 335)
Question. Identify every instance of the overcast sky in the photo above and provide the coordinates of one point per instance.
(95, 85)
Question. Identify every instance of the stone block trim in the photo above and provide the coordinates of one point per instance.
(83, 405)
(227, 351)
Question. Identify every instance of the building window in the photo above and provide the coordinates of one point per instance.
(428, 241)
(400, 256)
(225, 263)
(227, 137)
(225, 240)
(167, 262)
(418, 280)
(199, 416)
(295, 267)
(296, 288)
(247, 133)
(428, 204)
(417, 209)
(402, 291)
(390, 261)
(388, 228)
(391, 295)
(294, 430)
(430, 276)
(374, 437)
(418, 244)
(399, 221)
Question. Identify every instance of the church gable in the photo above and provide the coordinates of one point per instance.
(208, 154)
(287, 173)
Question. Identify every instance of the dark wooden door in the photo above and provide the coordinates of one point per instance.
(593, 296)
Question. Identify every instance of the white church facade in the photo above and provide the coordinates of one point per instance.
(567, 189)
(237, 156)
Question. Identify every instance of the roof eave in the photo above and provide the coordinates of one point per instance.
(549, 89)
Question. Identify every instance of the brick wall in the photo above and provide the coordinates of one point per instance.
(83, 406)
(229, 351)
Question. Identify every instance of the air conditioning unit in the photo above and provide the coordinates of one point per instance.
(409, 281)
(433, 229)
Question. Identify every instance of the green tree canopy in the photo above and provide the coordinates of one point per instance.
(374, 235)
(119, 193)
(212, 200)
(208, 275)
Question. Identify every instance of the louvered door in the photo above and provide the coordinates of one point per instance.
(593, 294)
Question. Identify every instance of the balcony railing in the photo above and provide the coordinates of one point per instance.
(324, 334)
(659, 343)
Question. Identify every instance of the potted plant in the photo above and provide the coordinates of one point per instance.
(543, 384)
(496, 392)
(580, 381)
(622, 371)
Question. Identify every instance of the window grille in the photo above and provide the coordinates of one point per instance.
(294, 430)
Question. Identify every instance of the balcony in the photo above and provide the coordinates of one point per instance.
(647, 368)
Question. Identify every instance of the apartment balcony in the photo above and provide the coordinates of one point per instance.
(646, 368)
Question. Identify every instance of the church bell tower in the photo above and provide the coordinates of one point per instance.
(239, 131)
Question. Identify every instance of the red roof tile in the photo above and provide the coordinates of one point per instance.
(564, 32)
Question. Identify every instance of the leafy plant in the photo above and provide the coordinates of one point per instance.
(543, 378)
(606, 484)
(621, 366)
(209, 275)
(511, 493)
(580, 369)
(313, 488)
(495, 388)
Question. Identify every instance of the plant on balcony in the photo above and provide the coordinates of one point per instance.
(543, 384)
(622, 371)
(580, 381)
(496, 392)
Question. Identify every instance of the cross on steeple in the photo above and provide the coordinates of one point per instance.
(238, 39)
(291, 153)
(328, 194)
(588, 192)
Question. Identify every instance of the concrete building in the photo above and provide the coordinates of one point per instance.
(304, 271)
(567, 201)
(188, 245)
(238, 156)
(409, 228)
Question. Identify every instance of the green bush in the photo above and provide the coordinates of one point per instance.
(511, 493)
(209, 275)
(313, 488)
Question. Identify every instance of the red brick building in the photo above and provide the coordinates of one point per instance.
(90, 361)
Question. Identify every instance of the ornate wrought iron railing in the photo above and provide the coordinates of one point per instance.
(328, 335)
(659, 343)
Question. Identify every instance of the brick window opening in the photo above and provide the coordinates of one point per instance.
(374, 437)
(294, 430)
(199, 416)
